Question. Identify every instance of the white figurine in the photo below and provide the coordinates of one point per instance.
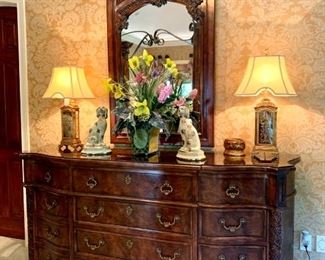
(191, 149)
(95, 143)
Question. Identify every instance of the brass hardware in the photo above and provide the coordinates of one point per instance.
(176, 254)
(167, 224)
(241, 257)
(91, 183)
(94, 247)
(127, 179)
(232, 229)
(129, 244)
(129, 210)
(100, 210)
(50, 206)
(48, 177)
(52, 234)
(166, 188)
(222, 257)
(232, 191)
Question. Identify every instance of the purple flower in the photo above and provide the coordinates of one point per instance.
(164, 92)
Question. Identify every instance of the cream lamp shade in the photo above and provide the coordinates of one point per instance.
(68, 82)
(266, 73)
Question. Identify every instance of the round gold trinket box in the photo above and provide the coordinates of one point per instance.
(234, 147)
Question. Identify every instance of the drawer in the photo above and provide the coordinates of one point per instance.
(125, 247)
(45, 253)
(47, 174)
(234, 223)
(145, 216)
(54, 233)
(222, 189)
(135, 184)
(50, 204)
(231, 253)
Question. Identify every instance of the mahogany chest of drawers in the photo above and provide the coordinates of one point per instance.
(118, 208)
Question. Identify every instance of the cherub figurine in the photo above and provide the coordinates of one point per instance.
(95, 143)
(191, 149)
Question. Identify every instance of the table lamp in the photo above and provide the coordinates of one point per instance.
(69, 83)
(266, 73)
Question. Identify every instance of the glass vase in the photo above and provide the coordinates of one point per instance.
(145, 141)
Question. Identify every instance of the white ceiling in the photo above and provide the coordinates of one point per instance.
(172, 17)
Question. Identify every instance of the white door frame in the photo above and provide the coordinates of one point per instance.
(23, 81)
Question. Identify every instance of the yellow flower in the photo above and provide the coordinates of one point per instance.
(170, 65)
(118, 91)
(134, 62)
(107, 85)
(174, 72)
(141, 108)
(148, 59)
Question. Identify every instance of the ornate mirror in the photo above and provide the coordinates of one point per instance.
(123, 19)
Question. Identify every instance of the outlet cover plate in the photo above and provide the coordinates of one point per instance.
(320, 244)
(308, 237)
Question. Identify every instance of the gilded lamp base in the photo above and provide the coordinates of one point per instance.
(265, 153)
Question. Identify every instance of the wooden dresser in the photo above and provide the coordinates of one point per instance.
(119, 208)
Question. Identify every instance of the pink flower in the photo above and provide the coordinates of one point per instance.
(164, 92)
(139, 78)
(193, 94)
(179, 102)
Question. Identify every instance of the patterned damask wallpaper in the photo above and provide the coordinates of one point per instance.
(73, 32)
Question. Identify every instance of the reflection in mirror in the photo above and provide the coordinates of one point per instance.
(163, 37)
(198, 21)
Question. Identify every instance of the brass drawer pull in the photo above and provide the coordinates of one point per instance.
(51, 205)
(129, 210)
(176, 254)
(240, 257)
(232, 229)
(166, 188)
(127, 179)
(52, 234)
(91, 183)
(167, 224)
(232, 191)
(94, 247)
(48, 177)
(129, 244)
(100, 210)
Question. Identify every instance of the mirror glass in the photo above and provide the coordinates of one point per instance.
(163, 36)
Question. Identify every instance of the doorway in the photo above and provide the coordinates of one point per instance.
(11, 188)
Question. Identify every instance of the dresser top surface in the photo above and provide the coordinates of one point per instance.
(167, 158)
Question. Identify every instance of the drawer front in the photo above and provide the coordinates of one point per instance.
(231, 253)
(247, 224)
(51, 175)
(124, 247)
(50, 204)
(54, 233)
(145, 216)
(222, 189)
(135, 184)
(45, 253)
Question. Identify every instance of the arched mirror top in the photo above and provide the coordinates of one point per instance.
(128, 7)
(203, 25)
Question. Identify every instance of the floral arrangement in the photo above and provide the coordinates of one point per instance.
(150, 98)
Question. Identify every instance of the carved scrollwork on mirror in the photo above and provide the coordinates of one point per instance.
(202, 15)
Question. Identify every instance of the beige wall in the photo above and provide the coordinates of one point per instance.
(73, 32)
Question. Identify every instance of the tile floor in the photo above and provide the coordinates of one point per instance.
(12, 249)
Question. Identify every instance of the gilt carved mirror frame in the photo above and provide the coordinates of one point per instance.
(203, 15)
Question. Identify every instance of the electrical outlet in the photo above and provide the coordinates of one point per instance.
(320, 244)
(305, 239)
